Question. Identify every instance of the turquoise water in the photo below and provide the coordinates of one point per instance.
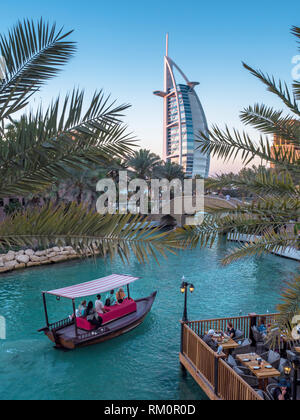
(144, 363)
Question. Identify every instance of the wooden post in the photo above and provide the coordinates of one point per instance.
(181, 337)
(74, 311)
(181, 346)
(216, 376)
(45, 308)
(253, 321)
(128, 291)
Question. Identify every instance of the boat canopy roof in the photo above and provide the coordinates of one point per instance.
(94, 287)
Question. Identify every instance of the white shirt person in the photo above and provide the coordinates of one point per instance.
(99, 306)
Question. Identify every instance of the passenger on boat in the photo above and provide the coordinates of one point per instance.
(210, 341)
(100, 306)
(120, 295)
(110, 299)
(81, 309)
(92, 316)
(230, 330)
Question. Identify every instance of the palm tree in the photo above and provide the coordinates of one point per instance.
(274, 215)
(169, 171)
(43, 146)
(239, 182)
(142, 163)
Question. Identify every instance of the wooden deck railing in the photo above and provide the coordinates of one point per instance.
(200, 354)
(231, 387)
(242, 323)
(60, 324)
(218, 380)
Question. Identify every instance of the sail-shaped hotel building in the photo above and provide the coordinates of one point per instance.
(184, 119)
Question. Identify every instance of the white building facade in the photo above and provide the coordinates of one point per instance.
(184, 120)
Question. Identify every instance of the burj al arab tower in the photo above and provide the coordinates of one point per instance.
(184, 120)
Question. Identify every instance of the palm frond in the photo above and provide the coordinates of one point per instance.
(290, 303)
(86, 232)
(263, 182)
(45, 147)
(280, 89)
(270, 242)
(259, 219)
(296, 90)
(33, 53)
(296, 31)
(270, 121)
(228, 146)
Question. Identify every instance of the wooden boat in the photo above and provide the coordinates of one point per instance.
(74, 332)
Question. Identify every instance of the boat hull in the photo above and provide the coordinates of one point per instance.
(65, 337)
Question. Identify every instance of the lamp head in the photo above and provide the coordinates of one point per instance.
(192, 288)
(183, 286)
(287, 369)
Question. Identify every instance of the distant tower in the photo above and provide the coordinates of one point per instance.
(184, 119)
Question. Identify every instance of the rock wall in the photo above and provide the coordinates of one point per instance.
(30, 258)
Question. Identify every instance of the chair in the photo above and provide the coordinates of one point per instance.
(270, 390)
(264, 395)
(258, 337)
(290, 355)
(243, 348)
(282, 362)
(239, 335)
(272, 357)
(231, 361)
(244, 373)
(260, 342)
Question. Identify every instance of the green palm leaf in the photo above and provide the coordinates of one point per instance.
(262, 182)
(228, 146)
(270, 242)
(33, 54)
(269, 121)
(46, 147)
(87, 232)
(280, 89)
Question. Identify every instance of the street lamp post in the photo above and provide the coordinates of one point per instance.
(184, 290)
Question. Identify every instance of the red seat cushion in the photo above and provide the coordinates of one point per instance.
(83, 324)
(115, 312)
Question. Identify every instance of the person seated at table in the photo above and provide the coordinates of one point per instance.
(92, 316)
(110, 299)
(120, 295)
(230, 330)
(282, 392)
(210, 341)
(100, 309)
(262, 327)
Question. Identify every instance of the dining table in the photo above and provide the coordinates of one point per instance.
(259, 367)
(226, 342)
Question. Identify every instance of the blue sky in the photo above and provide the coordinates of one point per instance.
(121, 47)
